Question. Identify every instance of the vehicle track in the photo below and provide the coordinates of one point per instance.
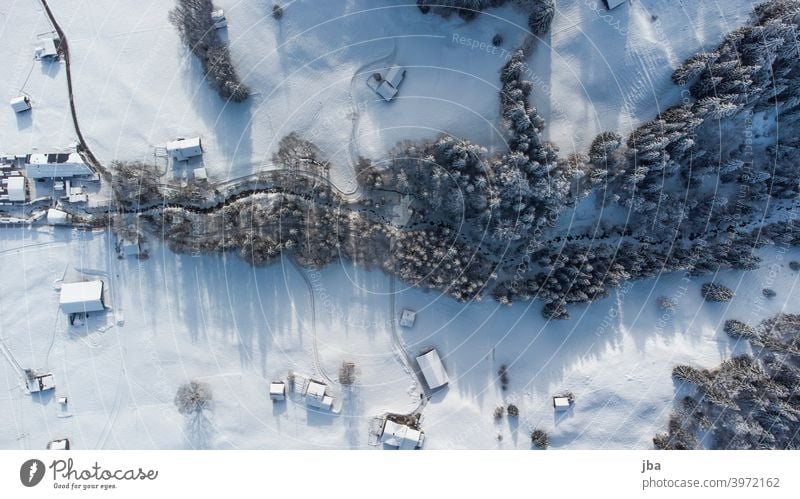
(312, 300)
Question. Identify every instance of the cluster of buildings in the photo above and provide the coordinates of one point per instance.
(58, 175)
(387, 84)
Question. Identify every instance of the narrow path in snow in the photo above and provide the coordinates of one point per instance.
(383, 61)
(406, 358)
(317, 363)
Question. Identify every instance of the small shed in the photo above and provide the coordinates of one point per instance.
(16, 189)
(47, 49)
(316, 396)
(218, 17)
(277, 391)
(185, 149)
(40, 382)
(60, 444)
(20, 103)
(613, 4)
(57, 217)
(407, 318)
(200, 173)
(81, 297)
(432, 369)
(401, 436)
(561, 403)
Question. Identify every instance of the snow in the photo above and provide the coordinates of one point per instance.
(126, 57)
(16, 188)
(610, 70)
(432, 369)
(82, 297)
(238, 328)
(20, 104)
(400, 436)
(49, 125)
(216, 319)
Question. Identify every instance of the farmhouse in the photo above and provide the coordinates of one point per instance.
(387, 85)
(316, 397)
(277, 391)
(432, 369)
(613, 4)
(81, 297)
(16, 188)
(20, 104)
(39, 382)
(185, 149)
(47, 49)
(57, 165)
(57, 217)
(401, 436)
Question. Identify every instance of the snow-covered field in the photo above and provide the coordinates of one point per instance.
(610, 70)
(136, 86)
(217, 319)
(48, 126)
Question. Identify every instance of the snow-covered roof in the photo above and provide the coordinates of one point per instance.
(407, 318)
(79, 297)
(183, 144)
(386, 91)
(315, 396)
(47, 48)
(560, 403)
(432, 369)
(401, 436)
(277, 390)
(183, 149)
(41, 382)
(16, 188)
(612, 4)
(62, 444)
(200, 173)
(395, 76)
(55, 165)
(56, 217)
(20, 104)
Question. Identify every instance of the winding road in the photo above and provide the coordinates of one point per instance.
(83, 147)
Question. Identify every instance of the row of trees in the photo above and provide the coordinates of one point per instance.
(192, 19)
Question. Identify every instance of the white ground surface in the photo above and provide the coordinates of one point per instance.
(136, 87)
(611, 70)
(176, 317)
(237, 328)
(48, 126)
